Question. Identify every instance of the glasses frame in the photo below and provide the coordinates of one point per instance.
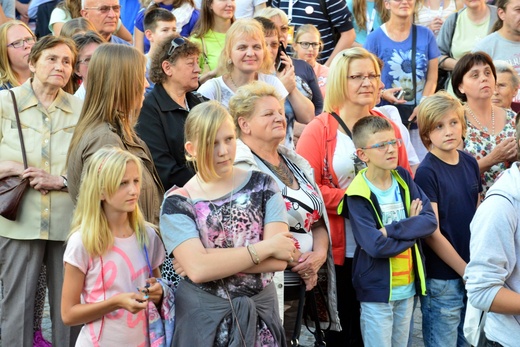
(383, 146)
(315, 45)
(361, 78)
(105, 9)
(21, 42)
(176, 42)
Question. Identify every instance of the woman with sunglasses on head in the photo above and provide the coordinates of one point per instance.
(216, 17)
(175, 71)
(352, 88)
(410, 54)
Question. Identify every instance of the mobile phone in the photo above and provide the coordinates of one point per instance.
(278, 61)
(399, 95)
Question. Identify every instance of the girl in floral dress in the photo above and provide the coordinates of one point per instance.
(227, 229)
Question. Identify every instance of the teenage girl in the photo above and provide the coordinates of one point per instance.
(227, 229)
(109, 256)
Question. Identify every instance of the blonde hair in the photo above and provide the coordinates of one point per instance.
(337, 90)
(243, 28)
(306, 29)
(116, 81)
(244, 102)
(200, 129)
(76, 26)
(7, 74)
(270, 12)
(102, 176)
(432, 109)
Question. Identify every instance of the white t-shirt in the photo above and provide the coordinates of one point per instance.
(209, 89)
(120, 270)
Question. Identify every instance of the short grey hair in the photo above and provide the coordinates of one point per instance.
(504, 66)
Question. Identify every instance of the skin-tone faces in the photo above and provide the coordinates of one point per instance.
(282, 27)
(273, 43)
(54, 67)
(224, 148)
(478, 82)
(127, 195)
(504, 91)
(400, 8)
(247, 54)
(446, 136)
(18, 57)
(267, 123)
(362, 91)
(162, 31)
(382, 158)
(184, 72)
(511, 19)
(309, 54)
(84, 57)
(105, 23)
(224, 9)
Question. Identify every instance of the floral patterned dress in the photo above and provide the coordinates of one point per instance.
(479, 143)
(235, 220)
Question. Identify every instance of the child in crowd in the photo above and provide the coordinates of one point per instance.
(159, 24)
(451, 180)
(388, 213)
(109, 253)
(307, 46)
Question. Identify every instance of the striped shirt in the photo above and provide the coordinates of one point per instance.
(310, 12)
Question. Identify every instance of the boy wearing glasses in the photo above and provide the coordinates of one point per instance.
(451, 180)
(388, 214)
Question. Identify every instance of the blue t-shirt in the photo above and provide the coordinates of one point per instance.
(397, 71)
(455, 189)
(185, 31)
(129, 9)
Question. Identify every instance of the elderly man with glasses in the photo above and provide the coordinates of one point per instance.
(104, 15)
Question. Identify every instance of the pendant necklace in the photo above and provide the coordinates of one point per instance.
(483, 128)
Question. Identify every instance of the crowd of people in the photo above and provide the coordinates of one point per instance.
(265, 164)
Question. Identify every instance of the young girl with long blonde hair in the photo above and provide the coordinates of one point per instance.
(112, 257)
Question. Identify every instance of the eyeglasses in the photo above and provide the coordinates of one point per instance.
(383, 146)
(84, 61)
(273, 45)
(306, 45)
(20, 43)
(105, 9)
(361, 78)
(176, 42)
(284, 28)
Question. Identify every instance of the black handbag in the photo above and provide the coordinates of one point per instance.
(12, 188)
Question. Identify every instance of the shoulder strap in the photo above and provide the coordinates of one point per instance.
(505, 197)
(325, 12)
(453, 31)
(414, 72)
(19, 125)
(342, 123)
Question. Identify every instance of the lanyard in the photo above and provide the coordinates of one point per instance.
(370, 20)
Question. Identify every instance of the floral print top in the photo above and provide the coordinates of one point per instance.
(479, 143)
(235, 220)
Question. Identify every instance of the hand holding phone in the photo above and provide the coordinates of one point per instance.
(399, 94)
(278, 61)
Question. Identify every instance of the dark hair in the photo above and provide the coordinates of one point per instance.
(81, 41)
(465, 64)
(157, 14)
(368, 126)
(500, 4)
(156, 72)
(268, 26)
(75, 26)
(50, 41)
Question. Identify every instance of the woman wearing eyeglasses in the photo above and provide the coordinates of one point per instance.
(86, 44)
(174, 70)
(16, 41)
(410, 54)
(115, 93)
(326, 142)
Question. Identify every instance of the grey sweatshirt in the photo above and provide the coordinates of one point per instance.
(495, 255)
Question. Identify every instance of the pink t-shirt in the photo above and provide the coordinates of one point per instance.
(321, 72)
(124, 268)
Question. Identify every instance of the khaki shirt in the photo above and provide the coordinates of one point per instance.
(47, 134)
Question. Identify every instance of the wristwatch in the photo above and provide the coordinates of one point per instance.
(65, 182)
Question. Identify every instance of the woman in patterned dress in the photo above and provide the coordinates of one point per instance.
(227, 229)
(490, 134)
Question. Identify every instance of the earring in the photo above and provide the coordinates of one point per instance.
(230, 62)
